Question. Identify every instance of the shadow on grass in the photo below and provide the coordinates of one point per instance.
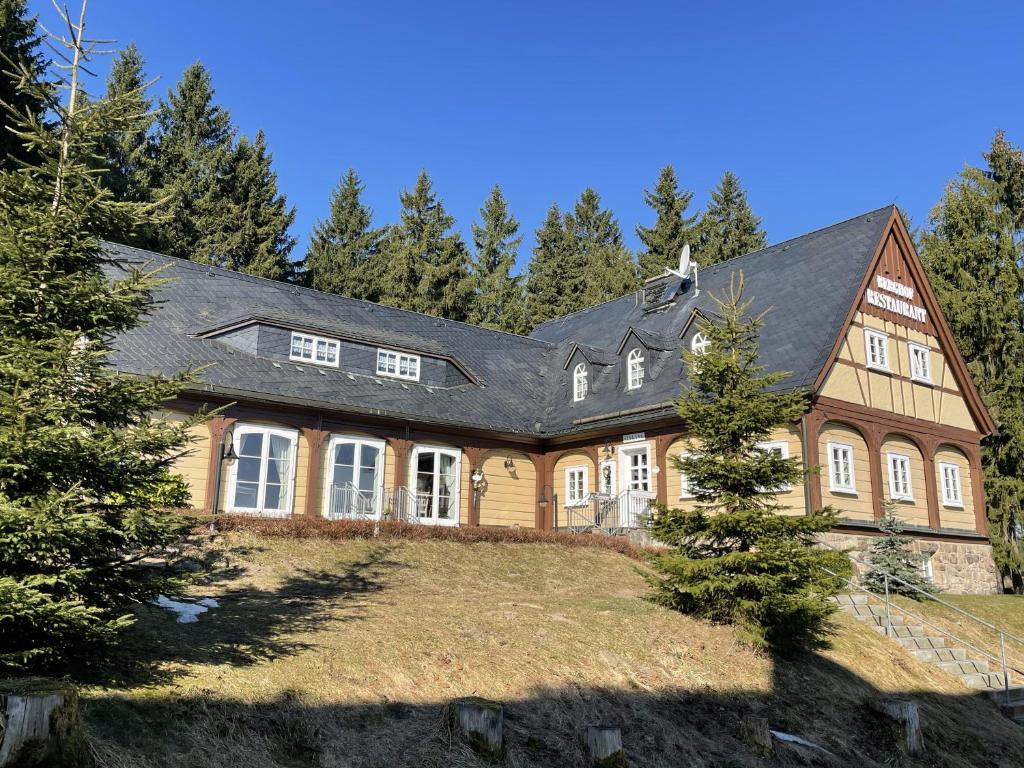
(813, 698)
(251, 625)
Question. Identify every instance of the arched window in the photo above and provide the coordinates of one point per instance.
(700, 344)
(635, 363)
(579, 383)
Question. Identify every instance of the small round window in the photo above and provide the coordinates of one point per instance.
(700, 344)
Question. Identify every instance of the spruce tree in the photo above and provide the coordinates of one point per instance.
(728, 227)
(344, 250)
(194, 153)
(427, 265)
(552, 276)
(736, 557)
(22, 70)
(972, 252)
(892, 553)
(498, 300)
(257, 241)
(127, 153)
(596, 244)
(81, 453)
(672, 227)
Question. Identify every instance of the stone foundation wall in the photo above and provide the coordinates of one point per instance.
(956, 567)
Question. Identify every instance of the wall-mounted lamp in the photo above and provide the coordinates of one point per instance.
(477, 478)
(609, 449)
(509, 464)
(542, 502)
(229, 457)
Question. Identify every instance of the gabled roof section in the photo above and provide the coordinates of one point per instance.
(894, 235)
(653, 341)
(592, 354)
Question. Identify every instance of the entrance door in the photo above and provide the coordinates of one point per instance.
(436, 473)
(635, 467)
(354, 477)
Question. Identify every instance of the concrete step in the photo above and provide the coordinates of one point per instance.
(983, 681)
(965, 667)
(941, 655)
(916, 643)
(851, 599)
(879, 621)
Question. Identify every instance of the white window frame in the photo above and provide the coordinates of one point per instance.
(635, 369)
(918, 373)
(359, 442)
(685, 486)
(438, 450)
(883, 338)
(289, 490)
(579, 383)
(384, 356)
(625, 469)
(700, 343)
(582, 472)
(892, 459)
(835, 484)
(954, 469)
(315, 344)
(783, 448)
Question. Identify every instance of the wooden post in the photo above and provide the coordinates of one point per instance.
(480, 723)
(41, 725)
(314, 484)
(904, 712)
(755, 734)
(217, 425)
(604, 747)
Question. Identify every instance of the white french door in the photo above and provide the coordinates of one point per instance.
(435, 481)
(635, 472)
(263, 476)
(355, 477)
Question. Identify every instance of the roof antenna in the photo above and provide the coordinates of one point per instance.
(687, 268)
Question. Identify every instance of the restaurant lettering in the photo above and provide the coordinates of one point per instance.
(895, 299)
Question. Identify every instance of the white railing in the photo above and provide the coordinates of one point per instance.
(347, 502)
(401, 504)
(604, 513)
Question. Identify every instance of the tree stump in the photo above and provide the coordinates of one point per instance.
(604, 746)
(755, 734)
(904, 712)
(480, 723)
(40, 725)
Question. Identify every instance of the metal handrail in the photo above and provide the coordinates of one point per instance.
(1001, 660)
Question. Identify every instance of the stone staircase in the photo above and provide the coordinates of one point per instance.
(930, 645)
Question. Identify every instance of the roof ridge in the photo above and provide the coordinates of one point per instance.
(279, 284)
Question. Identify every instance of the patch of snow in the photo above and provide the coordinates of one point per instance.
(797, 740)
(187, 613)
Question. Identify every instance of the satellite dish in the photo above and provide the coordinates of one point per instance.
(684, 261)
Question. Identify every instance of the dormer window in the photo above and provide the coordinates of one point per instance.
(398, 365)
(313, 349)
(700, 344)
(635, 365)
(579, 383)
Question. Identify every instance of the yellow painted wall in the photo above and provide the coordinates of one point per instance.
(889, 393)
(572, 459)
(194, 463)
(954, 517)
(916, 512)
(851, 506)
(509, 497)
(674, 482)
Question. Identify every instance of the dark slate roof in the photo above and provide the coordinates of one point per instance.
(809, 281)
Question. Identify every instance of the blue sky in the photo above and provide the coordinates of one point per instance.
(824, 110)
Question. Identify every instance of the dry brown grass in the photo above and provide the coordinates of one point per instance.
(337, 651)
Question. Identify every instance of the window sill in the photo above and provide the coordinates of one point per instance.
(925, 382)
(904, 499)
(953, 505)
(879, 369)
(844, 491)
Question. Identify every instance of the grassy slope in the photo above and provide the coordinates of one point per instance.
(345, 654)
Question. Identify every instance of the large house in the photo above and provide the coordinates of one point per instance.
(343, 408)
